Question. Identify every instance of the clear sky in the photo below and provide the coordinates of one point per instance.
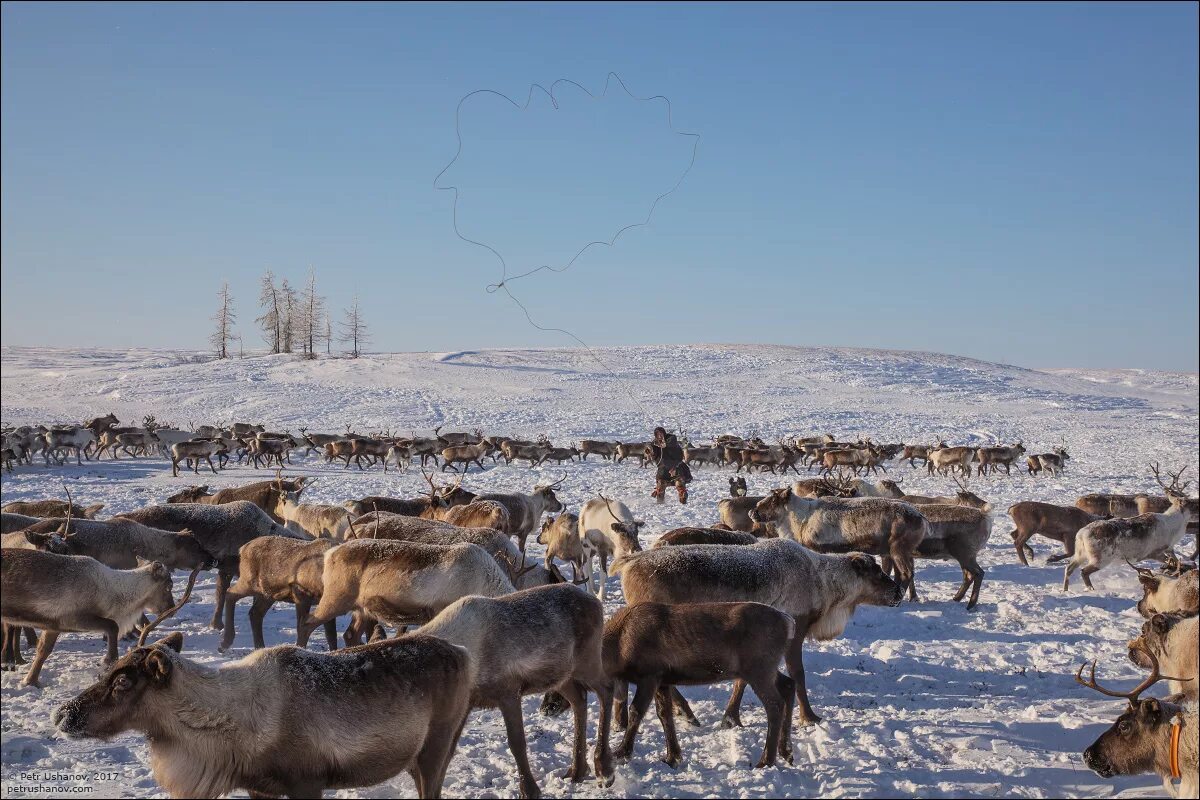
(1013, 182)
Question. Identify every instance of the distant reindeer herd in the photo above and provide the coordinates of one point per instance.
(474, 623)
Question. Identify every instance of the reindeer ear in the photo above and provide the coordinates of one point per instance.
(171, 640)
(1150, 708)
(157, 666)
(38, 540)
(159, 570)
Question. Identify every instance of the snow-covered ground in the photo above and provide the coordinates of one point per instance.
(925, 699)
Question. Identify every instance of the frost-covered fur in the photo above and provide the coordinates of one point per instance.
(1105, 542)
(284, 721)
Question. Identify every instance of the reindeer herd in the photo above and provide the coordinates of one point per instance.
(455, 616)
(254, 444)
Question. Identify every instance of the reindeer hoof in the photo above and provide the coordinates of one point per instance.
(672, 761)
(729, 721)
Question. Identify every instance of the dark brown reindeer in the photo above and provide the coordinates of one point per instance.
(655, 646)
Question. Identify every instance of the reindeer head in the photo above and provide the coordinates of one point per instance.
(124, 696)
(738, 487)
(1127, 748)
(771, 507)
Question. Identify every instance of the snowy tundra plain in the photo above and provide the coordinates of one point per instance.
(925, 700)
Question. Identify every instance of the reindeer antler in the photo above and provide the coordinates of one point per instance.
(66, 526)
(1132, 695)
(170, 612)
(1174, 488)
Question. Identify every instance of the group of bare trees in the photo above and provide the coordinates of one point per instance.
(292, 320)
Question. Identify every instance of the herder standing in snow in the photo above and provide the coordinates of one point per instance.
(668, 455)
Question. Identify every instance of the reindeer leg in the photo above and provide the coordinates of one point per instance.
(662, 705)
(733, 709)
(680, 704)
(257, 612)
(795, 664)
(45, 646)
(641, 704)
(510, 708)
(577, 696)
(224, 576)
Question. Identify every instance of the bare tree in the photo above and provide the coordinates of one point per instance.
(328, 335)
(271, 320)
(354, 330)
(225, 318)
(289, 306)
(312, 316)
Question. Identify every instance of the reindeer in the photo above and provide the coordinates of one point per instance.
(587, 447)
(195, 450)
(636, 450)
(52, 508)
(77, 439)
(1060, 523)
(275, 568)
(682, 536)
(458, 439)
(465, 454)
(959, 533)
(943, 460)
(1169, 594)
(1151, 736)
(560, 535)
(221, 530)
(819, 591)
(60, 594)
(524, 510)
(1053, 462)
(610, 530)
(652, 645)
(402, 582)
(558, 455)
(991, 458)
(401, 704)
(1102, 542)
(531, 452)
(870, 525)
(313, 519)
(315, 442)
(510, 658)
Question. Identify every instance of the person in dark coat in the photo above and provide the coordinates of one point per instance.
(668, 455)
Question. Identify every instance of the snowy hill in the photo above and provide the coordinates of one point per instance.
(925, 699)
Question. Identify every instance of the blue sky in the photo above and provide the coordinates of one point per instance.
(1013, 182)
